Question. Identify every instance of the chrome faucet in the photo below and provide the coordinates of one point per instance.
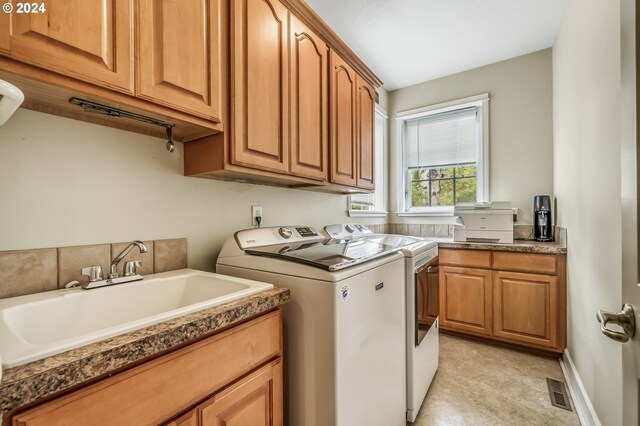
(96, 279)
(131, 267)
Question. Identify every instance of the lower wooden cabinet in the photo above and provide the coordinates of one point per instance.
(516, 298)
(191, 418)
(255, 400)
(234, 377)
(525, 308)
(465, 300)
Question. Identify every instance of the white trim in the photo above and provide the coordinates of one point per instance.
(356, 213)
(581, 402)
(381, 111)
(428, 211)
(443, 106)
(399, 175)
(482, 180)
(380, 186)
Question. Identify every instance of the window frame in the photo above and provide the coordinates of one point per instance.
(379, 186)
(482, 166)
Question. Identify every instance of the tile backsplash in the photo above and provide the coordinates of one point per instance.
(34, 271)
(418, 229)
(28, 271)
(520, 232)
(165, 258)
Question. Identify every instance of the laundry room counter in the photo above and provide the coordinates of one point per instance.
(36, 380)
(518, 246)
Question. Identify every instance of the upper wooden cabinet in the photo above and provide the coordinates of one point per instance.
(366, 105)
(343, 122)
(158, 58)
(295, 104)
(352, 127)
(179, 55)
(91, 40)
(278, 102)
(259, 84)
(309, 103)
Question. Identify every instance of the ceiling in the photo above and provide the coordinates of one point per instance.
(410, 41)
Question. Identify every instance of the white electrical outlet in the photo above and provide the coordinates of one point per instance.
(256, 211)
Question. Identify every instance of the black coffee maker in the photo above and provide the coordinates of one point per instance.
(542, 219)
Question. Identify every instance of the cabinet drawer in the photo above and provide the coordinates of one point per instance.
(525, 262)
(472, 258)
(162, 388)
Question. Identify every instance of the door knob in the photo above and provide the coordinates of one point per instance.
(625, 319)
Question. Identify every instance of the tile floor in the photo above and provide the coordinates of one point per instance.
(479, 384)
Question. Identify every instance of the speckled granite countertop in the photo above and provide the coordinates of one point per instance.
(28, 382)
(518, 246)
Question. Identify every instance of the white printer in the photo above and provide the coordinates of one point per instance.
(484, 222)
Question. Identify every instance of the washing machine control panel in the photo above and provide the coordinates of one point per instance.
(259, 237)
(285, 232)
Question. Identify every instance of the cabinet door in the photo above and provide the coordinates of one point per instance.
(343, 122)
(366, 127)
(465, 300)
(260, 82)
(309, 104)
(191, 418)
(525, 308)
(90, 40)
(179, 62)
(256, 400)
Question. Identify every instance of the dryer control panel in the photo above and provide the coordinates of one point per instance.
(260, 237)
(346, 231)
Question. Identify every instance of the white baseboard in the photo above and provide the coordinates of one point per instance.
(581, 402)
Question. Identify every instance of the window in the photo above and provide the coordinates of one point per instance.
(373, 204)
(444, 154)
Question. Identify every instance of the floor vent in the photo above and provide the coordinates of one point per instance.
(558, 394)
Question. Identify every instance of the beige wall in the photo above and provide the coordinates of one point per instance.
(66, 182)
(520, 127)
(587, 181)
(383, 98)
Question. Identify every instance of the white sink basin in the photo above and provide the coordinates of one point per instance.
(34, 327)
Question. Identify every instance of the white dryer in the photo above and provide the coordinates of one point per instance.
(344, 327)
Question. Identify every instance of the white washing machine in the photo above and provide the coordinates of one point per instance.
(344, 352)
(422, 306)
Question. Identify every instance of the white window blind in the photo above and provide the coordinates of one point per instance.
(365, 201)
(442, 139)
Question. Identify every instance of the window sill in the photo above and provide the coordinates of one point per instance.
(353, 213)
(431, 214)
